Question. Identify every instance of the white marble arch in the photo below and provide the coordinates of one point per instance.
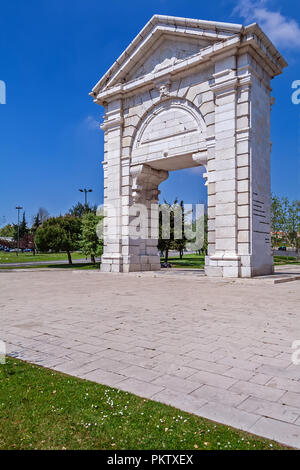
(189, 92)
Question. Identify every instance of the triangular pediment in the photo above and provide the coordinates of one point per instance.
(167, 44)
(169, 50)
(163, 42)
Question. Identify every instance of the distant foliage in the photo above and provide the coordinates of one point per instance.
(7, 231)
(22, 230)
(27, 242)
(59, 234)
(285, 221)
(90, 243)
(171, 243)
(79, 210)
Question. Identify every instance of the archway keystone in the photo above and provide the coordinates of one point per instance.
(187, 93)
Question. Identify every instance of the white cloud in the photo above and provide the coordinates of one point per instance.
(91, 123)
(283, 31)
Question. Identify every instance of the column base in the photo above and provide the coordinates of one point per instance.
(128, 264)
(235, 266)
(111, 263)
(138, 263)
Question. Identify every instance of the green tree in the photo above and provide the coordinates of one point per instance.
(179, 244)
(278, 220)
(80, 209)
(205, 240)
(7, 231)
(36, 223)
(90, 243)
(41, 216)
(59, 234)
(285, 221)
(23, 227)
(170, 241)
(293, 225)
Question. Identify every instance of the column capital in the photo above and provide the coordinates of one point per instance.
(146, 181)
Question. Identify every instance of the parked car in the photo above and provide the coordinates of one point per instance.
(27, 250)
(282, 248)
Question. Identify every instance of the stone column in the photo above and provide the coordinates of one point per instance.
(239, 176)
(112, 254)
(222, 182)
(141, 209)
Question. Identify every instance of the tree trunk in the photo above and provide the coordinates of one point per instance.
(181, 254)
(166, 255)
(69, 257)
(93, 259)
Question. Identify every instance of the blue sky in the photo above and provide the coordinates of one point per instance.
(51, 54)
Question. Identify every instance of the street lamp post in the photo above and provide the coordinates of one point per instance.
(19, 208)
(85, 191)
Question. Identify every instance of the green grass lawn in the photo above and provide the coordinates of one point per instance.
(278, 260)
(192, 261)
(76, 266)
(195, 261)
(43, 409)
(55, 266)
(29, 257)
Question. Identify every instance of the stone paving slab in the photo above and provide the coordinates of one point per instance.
(221, 349)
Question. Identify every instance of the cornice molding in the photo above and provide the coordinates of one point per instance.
(112, 124)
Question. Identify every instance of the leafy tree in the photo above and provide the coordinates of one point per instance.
(36, 223)
(41, 216)
(278, 219)
(205, 241)
(80, 209)
(285, 220)
(59, 234)
(90, 243)
(179, 244)
(7, 231)
(293, 225)
(165, 244)
(23, 227)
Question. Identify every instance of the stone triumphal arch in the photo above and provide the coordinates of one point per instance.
(187, 93)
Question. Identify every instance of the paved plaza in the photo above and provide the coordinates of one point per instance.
(218, 348)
